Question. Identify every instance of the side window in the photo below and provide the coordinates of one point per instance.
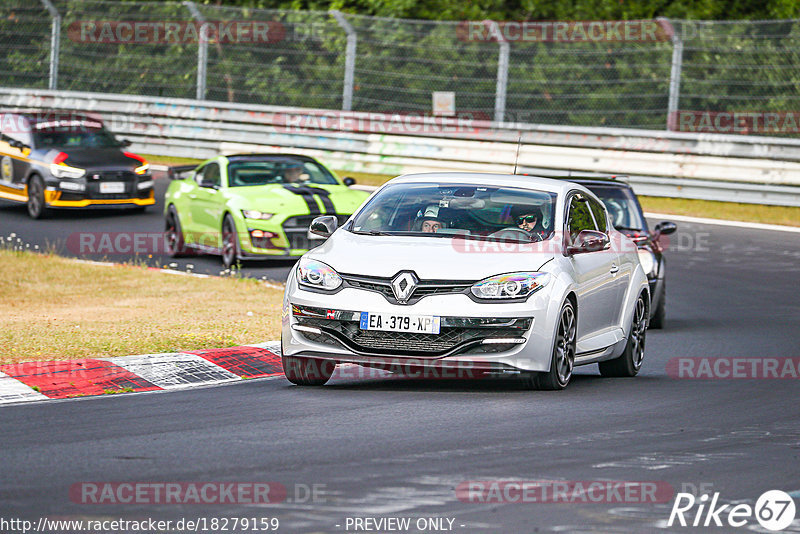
(599, 214)
(580, 218)
(211, 174)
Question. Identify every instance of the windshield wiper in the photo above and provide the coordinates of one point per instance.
(373, 232)
(629, 228)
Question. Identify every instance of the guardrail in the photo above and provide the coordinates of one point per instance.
(747, 169)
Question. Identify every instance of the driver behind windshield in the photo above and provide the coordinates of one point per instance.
(429, 221)
(293, 173)
(529, 220)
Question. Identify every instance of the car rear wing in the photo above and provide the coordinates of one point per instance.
(177, 172)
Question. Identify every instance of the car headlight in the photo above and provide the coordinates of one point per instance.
(510, 286)
(313, 273)
(60, 170)
(255, 214)
(648, 261)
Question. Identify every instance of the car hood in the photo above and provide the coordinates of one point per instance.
(99, 158)
(431, 258)
(276, 198)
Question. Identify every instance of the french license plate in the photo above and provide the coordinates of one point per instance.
(389, 322)
(112, 187)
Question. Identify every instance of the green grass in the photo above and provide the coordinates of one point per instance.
(732, 211)
(55, 308)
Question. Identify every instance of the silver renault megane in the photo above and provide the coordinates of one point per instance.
(490, 273)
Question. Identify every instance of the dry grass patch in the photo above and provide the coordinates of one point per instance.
(54, 308)
(732, 211)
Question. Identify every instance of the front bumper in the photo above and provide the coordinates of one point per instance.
(55, 197)
(509, 336)
(287, 236)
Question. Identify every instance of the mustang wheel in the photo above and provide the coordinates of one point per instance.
(629, 363)
(36, 205)
(173, 237)
(563, 359)
(230, 242)
(307, 371)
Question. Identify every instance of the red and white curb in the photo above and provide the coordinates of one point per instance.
(38, 381)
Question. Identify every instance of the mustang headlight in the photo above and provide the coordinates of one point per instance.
(313, 273)
(255, 214)
(510, 286)
(60, 170)
(648, 261)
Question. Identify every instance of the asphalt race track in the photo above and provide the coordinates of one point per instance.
(382, 447)
(62, 229)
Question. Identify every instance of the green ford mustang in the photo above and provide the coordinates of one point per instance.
(253, 205)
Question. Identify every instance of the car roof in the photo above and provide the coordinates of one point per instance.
(503, 180)
(266, 156)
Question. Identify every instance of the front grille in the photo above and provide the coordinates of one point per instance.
(451, 339)
(296, 229)
(424, 288)
(94, 179)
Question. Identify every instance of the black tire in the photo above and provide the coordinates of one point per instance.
(230, 242)
(630, 361)
(562, 360)
(37, 208)
(174, 242)
(659, 317)
(307, 371)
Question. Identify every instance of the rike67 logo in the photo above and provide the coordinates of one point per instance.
(774, 510)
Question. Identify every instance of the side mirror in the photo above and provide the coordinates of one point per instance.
(324, 226)
(665, 228)
(126, 142)
(349, 181)
(589, 241)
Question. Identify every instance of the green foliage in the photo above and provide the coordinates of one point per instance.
(730, 66)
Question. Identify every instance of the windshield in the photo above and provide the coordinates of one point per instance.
(278, 171)
(68, 136)
(446, 210)
(623, 208)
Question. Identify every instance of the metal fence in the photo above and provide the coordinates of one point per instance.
(341, 61)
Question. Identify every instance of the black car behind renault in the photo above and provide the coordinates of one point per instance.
(55, 159)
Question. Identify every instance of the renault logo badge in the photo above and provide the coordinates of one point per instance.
(403, 285)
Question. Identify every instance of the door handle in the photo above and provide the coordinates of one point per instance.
(614, 268)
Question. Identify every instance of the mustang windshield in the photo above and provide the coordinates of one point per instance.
(447, 210)
(290, 171)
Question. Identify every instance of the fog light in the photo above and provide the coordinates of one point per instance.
(71, 186)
